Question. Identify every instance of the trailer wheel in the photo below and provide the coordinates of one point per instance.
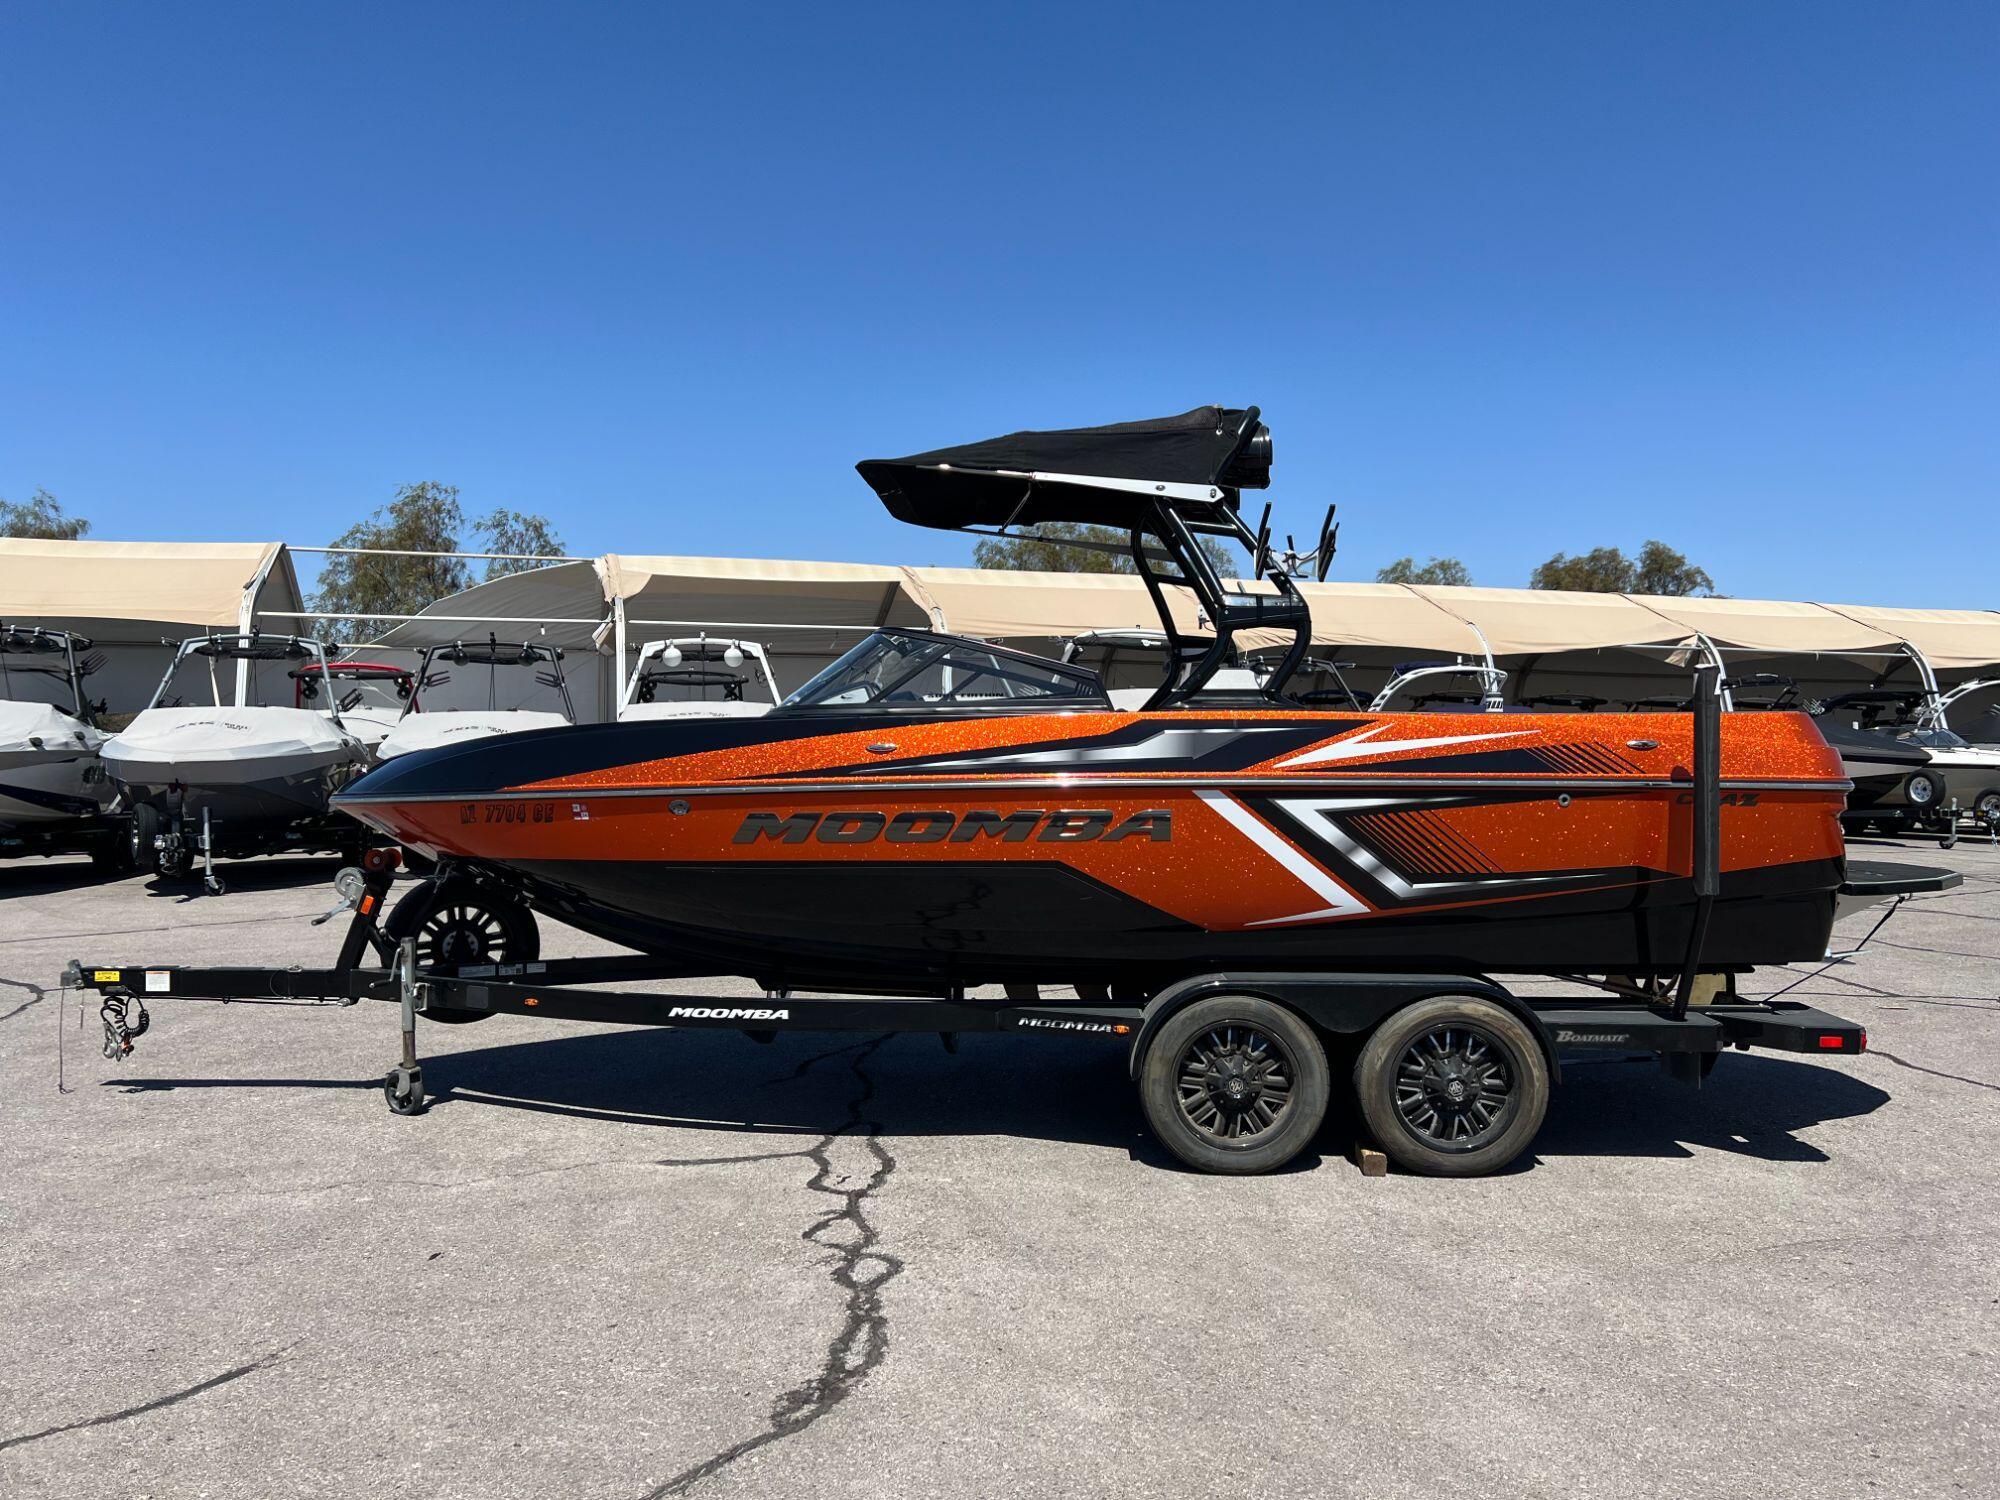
(1452, 1086)
(464, 922)
(1234, 1084)
(140, 830)
(404, 1089)
(1924, 792)
(1986, 807)
(112, 855)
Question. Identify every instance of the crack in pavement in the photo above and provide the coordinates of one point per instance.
(1978, 1083)
(173, 1399)
(858, 1268)
(37, 994)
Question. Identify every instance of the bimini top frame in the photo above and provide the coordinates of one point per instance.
(1167, 483)
(246, 646)
(493, 654)
(35, 642)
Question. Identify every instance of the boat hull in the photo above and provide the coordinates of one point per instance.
(1106, 845)
(255, 774)
(39, 791)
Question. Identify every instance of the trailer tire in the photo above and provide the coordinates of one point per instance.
(1234, 1084)
(140, 831)
(112, 854)
(1452, 1086)
(463, 922)
(1925, 792)
(1986, 807)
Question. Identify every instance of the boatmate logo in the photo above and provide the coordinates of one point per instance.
(727, 1013)
(1063, 826)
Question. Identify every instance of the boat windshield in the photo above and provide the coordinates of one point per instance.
(896, 669)
(1933, 739)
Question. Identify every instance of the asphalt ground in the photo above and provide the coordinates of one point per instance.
(619, 1262)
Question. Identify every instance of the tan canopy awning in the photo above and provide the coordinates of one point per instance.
(1001, 604)
(130, 596)
(1952, 640)
(1393, 617)
(198, 585)
(1540, 622)
(1779, 627)
(559, 605)
(723, 592)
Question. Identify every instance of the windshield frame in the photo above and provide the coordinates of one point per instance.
(934, 645)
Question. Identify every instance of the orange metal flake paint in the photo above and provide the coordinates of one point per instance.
(1212, 873)
(1755, 746)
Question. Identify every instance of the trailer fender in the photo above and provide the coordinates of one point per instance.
(1345, 1004)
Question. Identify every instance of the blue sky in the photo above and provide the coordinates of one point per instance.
(1504, 278)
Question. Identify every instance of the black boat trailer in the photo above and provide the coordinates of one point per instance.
(1640, 1017)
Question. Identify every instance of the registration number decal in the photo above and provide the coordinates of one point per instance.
(507, 812)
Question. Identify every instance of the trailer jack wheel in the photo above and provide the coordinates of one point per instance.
(404, 1089)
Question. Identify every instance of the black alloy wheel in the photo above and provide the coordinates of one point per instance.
(1453, 1086)
(463, 922)
(1454, 1090)
(1234, 1084)
(1235, 1081)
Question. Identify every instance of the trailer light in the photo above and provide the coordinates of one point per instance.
(1829, 1042)
(531, 1000)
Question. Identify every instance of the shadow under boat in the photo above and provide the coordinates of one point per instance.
(803, 1086)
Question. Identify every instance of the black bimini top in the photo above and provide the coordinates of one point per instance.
(1030, 477)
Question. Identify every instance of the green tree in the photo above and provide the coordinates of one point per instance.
(423, 517)
(1445, 570)
(1043, 551)
(510, 531)
(1662, 570)
(40, 516)
(1607, 570)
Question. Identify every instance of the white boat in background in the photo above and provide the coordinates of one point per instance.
(1132, 662)
(1969, 774)
(372, 696)
(527, 667)
(234, 778)
(699, 677)
(55, 797)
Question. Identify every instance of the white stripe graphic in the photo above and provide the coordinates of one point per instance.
(1341, 902)
(1365, 743)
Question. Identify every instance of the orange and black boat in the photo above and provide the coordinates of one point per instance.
(949, 811)
(1237, 888)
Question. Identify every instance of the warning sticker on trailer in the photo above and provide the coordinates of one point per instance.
(159, 981)
(104, 976)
